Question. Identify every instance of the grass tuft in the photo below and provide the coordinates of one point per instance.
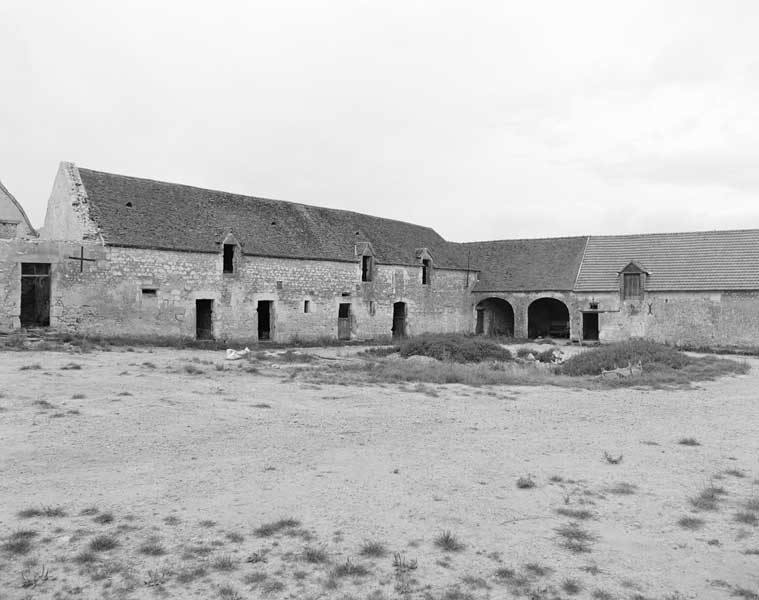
(103, 543)
(269, 529)
(526, 482)
(373, 549)
(747, 517)
(574, 538)
(581, 514)
(315, 555)
(448, 542)
(692, 523)
(349, 569)
(688, 441)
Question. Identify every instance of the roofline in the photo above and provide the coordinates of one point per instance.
(202, 189)
(17, 204)
(538, 239)
(669, 290)
(536, 290)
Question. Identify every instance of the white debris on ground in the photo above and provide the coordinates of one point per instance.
(237, 354)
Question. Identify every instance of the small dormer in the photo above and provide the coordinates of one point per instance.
(365, 254)
(232, 254)
(632, 280)
(423, 254)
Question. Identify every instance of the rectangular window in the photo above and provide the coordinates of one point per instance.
(149, 292)
(426, 271)
(307, 306)
(372, 308)
(366, 268)
(631, 285)
(229, 258)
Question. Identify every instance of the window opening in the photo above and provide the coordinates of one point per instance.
(366, 268)
(229, 258)
(426, 271)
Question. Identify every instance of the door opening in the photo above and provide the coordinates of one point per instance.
(204, 319)
(344, 322)
(35, 294)
(264, 319)
(589, 326)
(399, 320)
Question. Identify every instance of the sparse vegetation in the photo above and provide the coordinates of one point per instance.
(104, 518)
(103, 543)
(581, 514)
(269, 529)
(315, 555)
(707, 498)
(454, 348)
(747, 517)
(574, 538)
(448, 542)
(349, 569)
(691, 523)
(373, 549)
(525, 482)
(224, 562)
(622, 489)
(688, 441)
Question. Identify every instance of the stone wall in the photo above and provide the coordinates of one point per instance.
(709, 318)
(108, 297)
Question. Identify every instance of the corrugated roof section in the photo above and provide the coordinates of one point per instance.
(527, 265)
(153, 214)
(706, 260)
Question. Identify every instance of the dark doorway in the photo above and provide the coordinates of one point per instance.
(399, 320)
(344, 322)
(204, 319)
(495, 317)
(589, 326)
(548, 317)
(264, 319)
(35, 294)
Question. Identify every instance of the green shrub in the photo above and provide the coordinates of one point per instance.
(650, 355)
(454, 348)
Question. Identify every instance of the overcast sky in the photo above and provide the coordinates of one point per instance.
(483, 120)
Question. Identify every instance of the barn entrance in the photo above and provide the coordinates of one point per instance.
(495, 316)
(344, 322)
(399, 320)
(204, 319)
(548, 317)
(590, 326)
(264, 309)
(35, 294)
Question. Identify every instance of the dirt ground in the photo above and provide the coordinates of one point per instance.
(192, 461)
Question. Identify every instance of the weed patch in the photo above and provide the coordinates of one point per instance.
(448, 542)
(269, 529)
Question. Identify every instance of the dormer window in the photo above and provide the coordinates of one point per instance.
(367, 268)
(231, 254)
(426, 271)
(229, 258)
(633, 278)
(631, 287)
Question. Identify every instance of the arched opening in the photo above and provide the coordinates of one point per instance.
(494, 317)
(548, 317)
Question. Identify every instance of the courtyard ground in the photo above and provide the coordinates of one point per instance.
(151, 474)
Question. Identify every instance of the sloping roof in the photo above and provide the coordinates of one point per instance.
(4, 191)
(527, 265)
(180, 217)
(705, 260)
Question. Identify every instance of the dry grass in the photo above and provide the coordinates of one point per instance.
(692, 523)
(574, 538)
(448, 542)
(270, 529)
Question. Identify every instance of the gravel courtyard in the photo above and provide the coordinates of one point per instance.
(192, 461)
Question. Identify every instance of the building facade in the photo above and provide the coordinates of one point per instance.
(126, 256)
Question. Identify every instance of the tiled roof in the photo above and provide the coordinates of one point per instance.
(705, 260)
(179, 217)
(527, 265)
(19, 210)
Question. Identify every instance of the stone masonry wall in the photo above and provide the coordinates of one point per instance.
(107, 298)
(709, 318)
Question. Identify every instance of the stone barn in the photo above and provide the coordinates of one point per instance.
(123, 256)
(148, 258)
